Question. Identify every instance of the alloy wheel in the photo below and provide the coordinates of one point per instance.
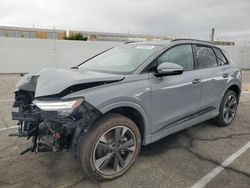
(114, 150)
(229, 109)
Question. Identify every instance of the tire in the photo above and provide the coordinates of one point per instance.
(221, 119)
(100, 143)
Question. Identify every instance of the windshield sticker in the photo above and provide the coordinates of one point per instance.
(146, 47)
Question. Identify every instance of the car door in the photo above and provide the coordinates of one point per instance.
(213, 80)
(175, 99)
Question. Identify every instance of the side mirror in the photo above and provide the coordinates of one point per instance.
(75, 67)
(167, 69)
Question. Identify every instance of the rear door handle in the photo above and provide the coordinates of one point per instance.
(225, 75)
(196, 81)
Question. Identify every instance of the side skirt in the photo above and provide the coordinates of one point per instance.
(181, 124)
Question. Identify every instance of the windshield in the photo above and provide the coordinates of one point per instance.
(123, 59)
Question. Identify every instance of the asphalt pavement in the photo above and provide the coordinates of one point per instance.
(204, 155)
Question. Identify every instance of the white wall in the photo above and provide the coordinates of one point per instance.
(240, 55)
(25, 55)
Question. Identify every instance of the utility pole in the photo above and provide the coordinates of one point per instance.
(54, 32)
(212, 35)
(54, 37)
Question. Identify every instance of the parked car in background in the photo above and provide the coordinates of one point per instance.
(131, 95)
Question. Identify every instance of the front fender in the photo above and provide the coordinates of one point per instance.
(146, 120)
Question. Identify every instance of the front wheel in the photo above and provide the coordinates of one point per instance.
(228, 109)
(110, 147)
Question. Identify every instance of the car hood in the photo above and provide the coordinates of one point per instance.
(52, 81)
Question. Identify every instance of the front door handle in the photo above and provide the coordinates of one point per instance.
(225, 75)
(196, 81)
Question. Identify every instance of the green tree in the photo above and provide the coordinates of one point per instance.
(77, 36)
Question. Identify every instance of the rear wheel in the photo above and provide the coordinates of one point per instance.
(110, 147)
(228, 109)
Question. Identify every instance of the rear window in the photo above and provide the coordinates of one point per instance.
(220, 57)
(205, 57)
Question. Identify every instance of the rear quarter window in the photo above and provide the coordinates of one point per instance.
(229, 59)
(220, 57)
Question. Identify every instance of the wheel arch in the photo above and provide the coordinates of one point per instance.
(234, 87)
(134, 112)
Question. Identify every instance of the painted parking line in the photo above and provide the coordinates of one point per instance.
(7, 128)
(7, 100)
(207, 178)
(246, 92)
(248, 87)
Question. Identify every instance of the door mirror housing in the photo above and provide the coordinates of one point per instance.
(167, 69)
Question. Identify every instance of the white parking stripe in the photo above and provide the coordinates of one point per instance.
(7, 100)
(7, 128)
(202, 182)
(246, 91)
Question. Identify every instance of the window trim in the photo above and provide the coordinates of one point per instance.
(227, 62)
(206, 46)
(151, 64)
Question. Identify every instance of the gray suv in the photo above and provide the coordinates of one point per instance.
(108, 106)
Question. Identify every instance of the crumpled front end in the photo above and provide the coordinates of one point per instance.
(51, 124)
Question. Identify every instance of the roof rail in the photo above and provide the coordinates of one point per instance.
(173, 40)
(127, 42)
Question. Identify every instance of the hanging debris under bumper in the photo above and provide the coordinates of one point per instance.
(51, 130)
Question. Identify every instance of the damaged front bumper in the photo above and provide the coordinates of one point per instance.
(48, 128)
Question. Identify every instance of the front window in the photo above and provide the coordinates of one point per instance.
(181, 55)
(121, 60)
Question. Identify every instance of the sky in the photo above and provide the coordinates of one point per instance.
(183, 18)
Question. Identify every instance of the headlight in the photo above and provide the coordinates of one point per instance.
(63, 107)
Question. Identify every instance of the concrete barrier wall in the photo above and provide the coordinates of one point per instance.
(25, 55)
(240, 55)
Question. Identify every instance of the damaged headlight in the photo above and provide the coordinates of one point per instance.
(63, 107)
